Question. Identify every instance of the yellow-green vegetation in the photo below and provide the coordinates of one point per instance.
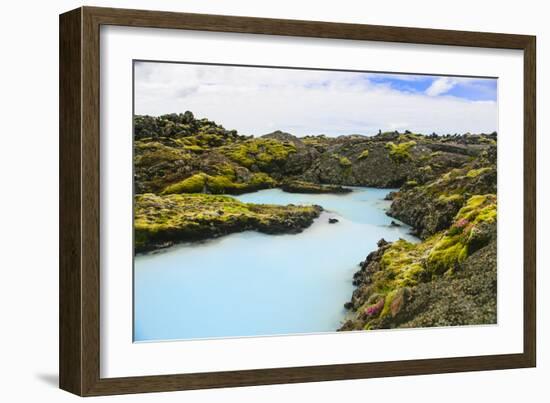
(167, 219)
(364, 154)
(474, 173)
(426, 169)
(485, 140)
(403, 137)
(194, 148)
(259, 152)
(452, 198)
(453, 246)
(451, 186)
(344, 162)
(400, 152)
(204, 140)
(193, 184)
(220, 184)
(319, 140)
(401, 267)
(411, 183)
(404, 265)
(148, 153)
(478, 209)
(452, 174)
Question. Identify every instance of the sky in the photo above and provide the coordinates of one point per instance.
(258, 100)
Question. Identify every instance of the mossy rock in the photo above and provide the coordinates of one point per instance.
(165, 220)
(364, 154)
(296, 186)
(344, 162)
(464, 236)
(400, 152)
(220, 184)
(264, 153)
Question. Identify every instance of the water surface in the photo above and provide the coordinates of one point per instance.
(253, 284)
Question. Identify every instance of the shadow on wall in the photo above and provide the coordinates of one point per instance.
(49, 379)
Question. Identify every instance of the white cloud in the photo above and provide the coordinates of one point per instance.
(441, 86)
(260, 100)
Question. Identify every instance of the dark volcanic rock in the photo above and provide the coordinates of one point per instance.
(468, 298)
(171, 148)
(308, 187)
(161, 221)
(284, 136)
(431, 207)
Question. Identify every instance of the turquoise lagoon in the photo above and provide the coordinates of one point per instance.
(253, 284)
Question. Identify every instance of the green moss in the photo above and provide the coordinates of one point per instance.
(263, 180)
(148, 153)
(485, 140)
(260, 152)
(452, 174)
(317, 141)
(426, 169)
(452, 198)
(364, 154)
(479, 208)
(194, 148)
(402, 264)
(409, 136)
(446, 253)
(400, 152)
(193, 184)
(487, 214)
(453, 246)
(411, 183)
(197, 216)
(220, 184)
(344, 162)
(474, 173)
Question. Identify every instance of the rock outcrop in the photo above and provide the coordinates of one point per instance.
(162, 221)
(172, 148)
(449, 278)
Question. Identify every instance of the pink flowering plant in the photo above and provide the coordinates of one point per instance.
(375, 309)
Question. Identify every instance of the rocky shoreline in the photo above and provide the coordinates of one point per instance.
(162, 221)
(449, 277)
(313, 188)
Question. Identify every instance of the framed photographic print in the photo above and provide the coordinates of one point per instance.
(249, 201)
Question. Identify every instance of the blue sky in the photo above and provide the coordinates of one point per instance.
(257, 100)
(467, 88)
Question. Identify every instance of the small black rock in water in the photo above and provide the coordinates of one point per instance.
(348, 305)
(394, 224)
(332, 220)
(381, 242)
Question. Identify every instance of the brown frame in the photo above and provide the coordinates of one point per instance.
(79, 320)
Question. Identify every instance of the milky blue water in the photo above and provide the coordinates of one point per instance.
(252, 284)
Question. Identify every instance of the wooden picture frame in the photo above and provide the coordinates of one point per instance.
(80, 199)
